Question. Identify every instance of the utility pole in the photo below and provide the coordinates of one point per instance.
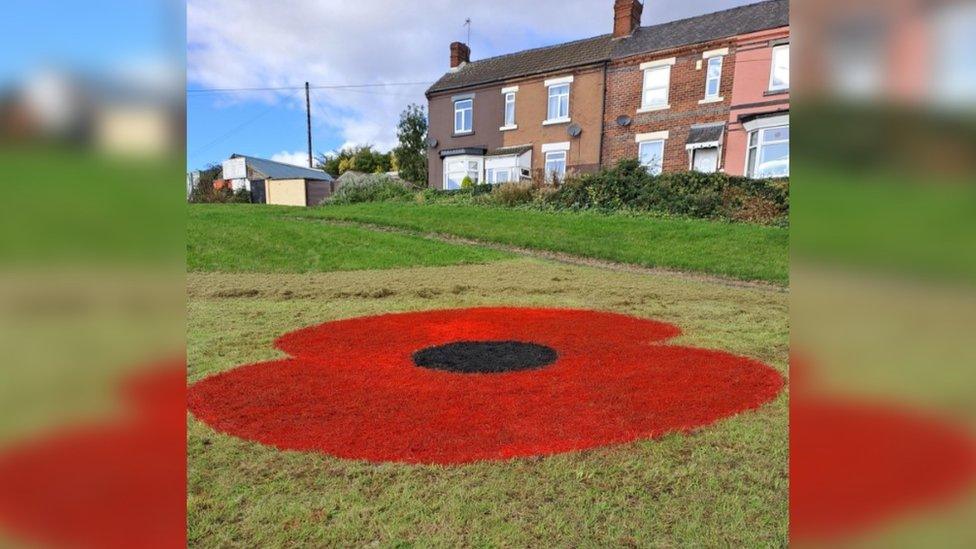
(308, 116)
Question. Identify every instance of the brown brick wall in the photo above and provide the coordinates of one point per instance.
(624, 88)
(488, 117)
(585, 109)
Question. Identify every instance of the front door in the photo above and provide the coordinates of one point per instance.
(705, 160)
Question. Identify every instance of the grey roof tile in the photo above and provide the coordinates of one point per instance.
(525, 63)
(684, 32)
(705, 28)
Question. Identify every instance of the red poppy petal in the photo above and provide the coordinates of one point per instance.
(354, 391)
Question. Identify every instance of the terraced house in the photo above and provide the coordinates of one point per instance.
(709, 93)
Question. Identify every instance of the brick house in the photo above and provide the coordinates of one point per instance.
(664, 94)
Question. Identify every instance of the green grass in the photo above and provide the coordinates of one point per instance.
(737, 250)
(726, 484)
(885, 221)
(237, 237)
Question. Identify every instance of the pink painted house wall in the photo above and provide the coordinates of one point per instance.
(750, 91)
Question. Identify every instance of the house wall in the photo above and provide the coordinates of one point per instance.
(488, 116)
(585, 109)
(285, 192)
(750, 92)
(625, 81)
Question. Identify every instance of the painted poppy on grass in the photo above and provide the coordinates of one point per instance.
(456, 386)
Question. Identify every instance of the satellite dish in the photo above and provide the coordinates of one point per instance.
(574, 130)
(623, 120)
(431, 142)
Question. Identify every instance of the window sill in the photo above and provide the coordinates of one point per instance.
(508, 128)
(776, 92)
(708, 100)
(462, 134)
(555, 121)
(653, 109)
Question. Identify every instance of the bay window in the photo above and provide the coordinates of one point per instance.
(456, 168)
(769, 152)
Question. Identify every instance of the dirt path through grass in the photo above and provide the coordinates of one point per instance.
(558, 257)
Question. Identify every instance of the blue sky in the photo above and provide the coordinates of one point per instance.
(238, 43)
(95, 36)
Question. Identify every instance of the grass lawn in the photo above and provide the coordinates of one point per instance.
(725, 484)
(237, 237)
(743, 251)
(890, 221)
(265, 268)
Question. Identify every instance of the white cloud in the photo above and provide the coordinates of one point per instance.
(241, 43)
(298, 158)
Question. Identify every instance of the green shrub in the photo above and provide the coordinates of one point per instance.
(513, 193)
(370, 188)
(628, 186)
(467, 182)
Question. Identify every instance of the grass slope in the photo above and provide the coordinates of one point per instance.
(237, 237)
(726, 484)
(743, 251)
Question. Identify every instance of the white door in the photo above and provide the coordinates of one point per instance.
(706, 160)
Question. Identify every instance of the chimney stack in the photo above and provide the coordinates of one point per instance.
(460, 54)
(626, 17)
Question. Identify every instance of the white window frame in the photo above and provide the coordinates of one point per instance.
(465, 158)
(550, 156)
(509, 101)
(772, 68)
(717, 96)
(555, 84)
(650, 167)
(758, 128)
(660, 66)
(459, 109)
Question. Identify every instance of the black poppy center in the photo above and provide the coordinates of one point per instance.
(485, 357)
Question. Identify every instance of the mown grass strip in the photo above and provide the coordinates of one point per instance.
(736, 250)
(245, 238)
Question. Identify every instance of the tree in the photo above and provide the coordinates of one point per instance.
(361, 158)
(411, 155)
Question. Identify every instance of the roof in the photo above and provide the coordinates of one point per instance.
(706, 133)
(508, 151)
(526, 63)
(278, 170)
(703, 28)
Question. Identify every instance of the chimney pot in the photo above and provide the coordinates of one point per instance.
(460, 54)
(626, 17)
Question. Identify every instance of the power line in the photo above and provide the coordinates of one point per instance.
(302, 87)
(231, 132)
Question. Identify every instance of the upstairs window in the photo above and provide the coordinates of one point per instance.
(558, 102)
(657, 80)
(463, 116)
(510, 109)
(713, 77)
(779, 73)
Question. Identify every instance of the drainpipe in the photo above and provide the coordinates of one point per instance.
(603, 114)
